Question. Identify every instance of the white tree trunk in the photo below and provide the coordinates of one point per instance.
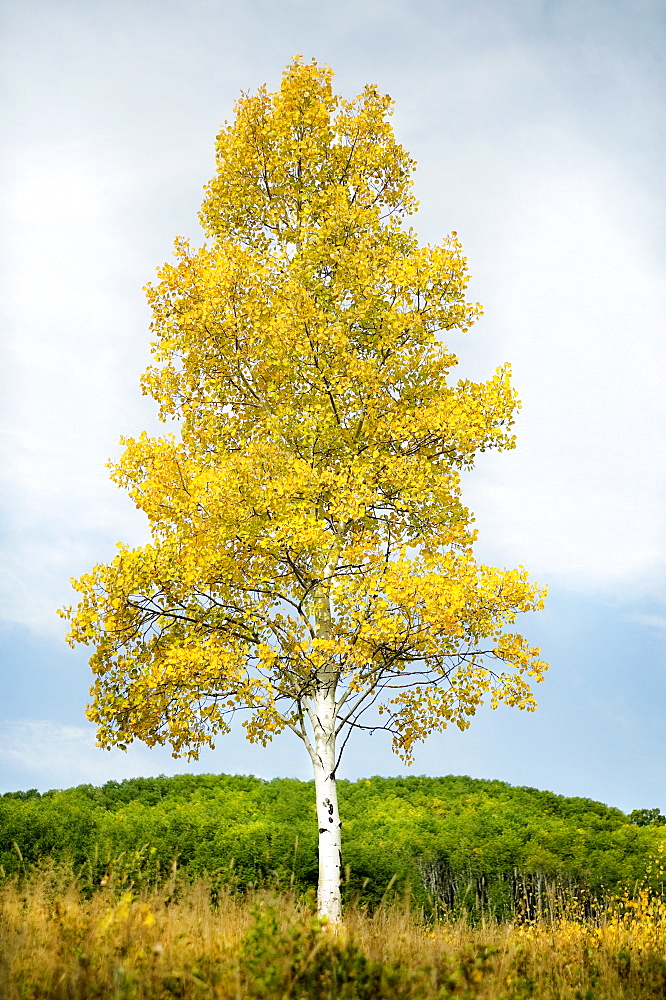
(328, 818)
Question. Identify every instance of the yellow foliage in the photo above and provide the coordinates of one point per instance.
(306, 520)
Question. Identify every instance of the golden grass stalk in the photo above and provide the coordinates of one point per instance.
(55, 942)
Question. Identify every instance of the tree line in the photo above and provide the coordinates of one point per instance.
(451, 843)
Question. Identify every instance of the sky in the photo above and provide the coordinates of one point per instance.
(537, 126)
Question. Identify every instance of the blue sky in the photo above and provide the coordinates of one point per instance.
(538, 130)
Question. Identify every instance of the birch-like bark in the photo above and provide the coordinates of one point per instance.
(323, 716)
(328, 818)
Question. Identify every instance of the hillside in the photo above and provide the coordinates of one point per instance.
(455, 841)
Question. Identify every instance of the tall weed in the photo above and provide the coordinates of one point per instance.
(197, 941)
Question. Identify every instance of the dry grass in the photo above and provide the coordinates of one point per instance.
(56, 943)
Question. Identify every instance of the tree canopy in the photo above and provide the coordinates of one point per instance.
(310, 552)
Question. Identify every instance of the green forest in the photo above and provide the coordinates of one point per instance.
(453, 843)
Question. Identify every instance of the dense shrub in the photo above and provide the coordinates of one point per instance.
(455, 842)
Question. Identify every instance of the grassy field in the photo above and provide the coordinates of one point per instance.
(187, 940)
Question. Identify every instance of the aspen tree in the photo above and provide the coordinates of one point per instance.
(310, 554)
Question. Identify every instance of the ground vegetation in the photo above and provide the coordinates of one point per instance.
(456, 844)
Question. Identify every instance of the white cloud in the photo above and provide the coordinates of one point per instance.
(657, 622)
(45, 748)
(60, 756)
(42, 754)
(537, 166)
(578, 299)
(71, 359)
